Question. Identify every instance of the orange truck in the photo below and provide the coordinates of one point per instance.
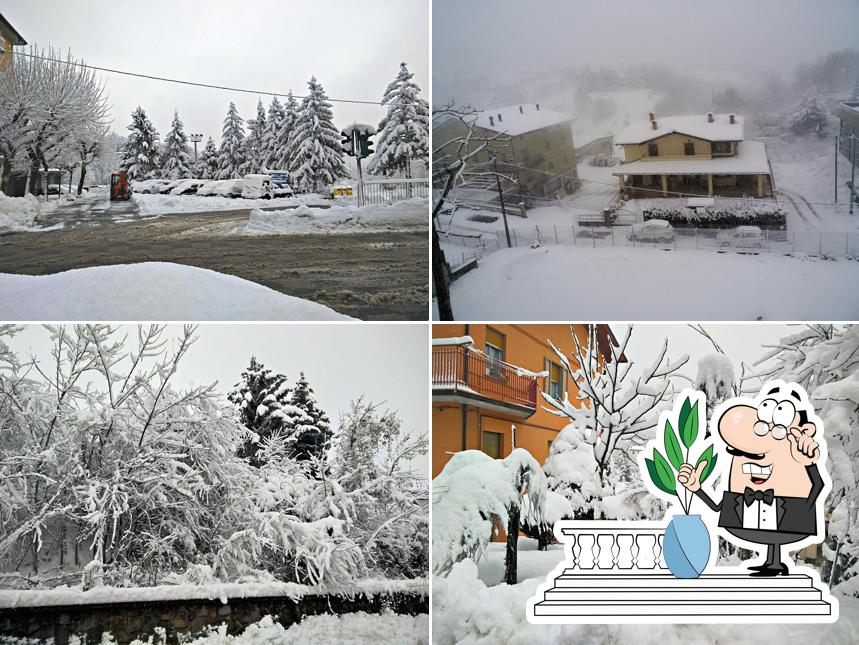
(119, 187)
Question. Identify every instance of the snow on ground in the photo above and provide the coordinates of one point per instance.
(166, 204)
(532, 562)
(19, 214)
(617, 283)
(467, 610)
(340, 219)
(149, 291)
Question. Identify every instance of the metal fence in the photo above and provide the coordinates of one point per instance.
(388, 191)
(813, 243)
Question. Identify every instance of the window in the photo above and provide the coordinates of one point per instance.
(689, 149)
(652, 150)
(494, 352)
(721, 147)
(491, 444)
(555, 380)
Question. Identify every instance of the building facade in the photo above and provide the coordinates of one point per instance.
(693, 155)
(9, 39)
(848, 130)
(487, 382)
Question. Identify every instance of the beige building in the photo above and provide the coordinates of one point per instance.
(698, 154)
(9, 38)
(533, 145)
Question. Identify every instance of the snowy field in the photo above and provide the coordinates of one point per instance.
(555, 282)
(150, 291)
(409, 214)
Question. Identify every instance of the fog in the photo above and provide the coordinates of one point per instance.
(502, 51)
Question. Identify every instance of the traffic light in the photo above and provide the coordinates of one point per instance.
(346, 143)
(365, 145)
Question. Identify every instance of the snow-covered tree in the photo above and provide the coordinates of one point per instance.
(176, 161)
(473, 496)
(141, 153)
(716, 380)
(316, 156)
(311, 432)
(207, 164)
(615, 410)
(404, 131)
(273, 124)
(807, 115)
(90, 143)
(254, 143)
(231, 159)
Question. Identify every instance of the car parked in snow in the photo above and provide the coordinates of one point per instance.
(221, 188)
(742, 237)
(187, 186)
(149, 186)
(653, 230)
(257, 187)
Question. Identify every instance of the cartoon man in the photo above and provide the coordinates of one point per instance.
(773, 482)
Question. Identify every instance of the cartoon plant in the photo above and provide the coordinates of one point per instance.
(662, 471)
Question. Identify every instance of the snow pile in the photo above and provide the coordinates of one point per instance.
(18, 213)
(150, 291)
(163, 204)
(340, 219)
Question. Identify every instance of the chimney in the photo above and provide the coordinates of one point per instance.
(733, 120)
(499, 117)
(491, 122)
(652, 116)
(538, 107)
(653, 124)
(520, 110)
(710, 118)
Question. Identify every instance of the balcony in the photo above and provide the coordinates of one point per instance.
(462, 374)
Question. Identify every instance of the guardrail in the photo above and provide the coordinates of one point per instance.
(389, 191)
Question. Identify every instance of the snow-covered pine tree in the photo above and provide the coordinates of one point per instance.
(404, 131)
(807, 115)
(283, 153)
(311, 435)
(272, 127)
(207, 166)
(141, 150)
(259, 396)
(254, 142)
(176, 161)
(231, 159)
(318, 158)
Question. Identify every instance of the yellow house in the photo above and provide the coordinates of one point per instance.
(532, 144)
(9, 38)
(697, 154)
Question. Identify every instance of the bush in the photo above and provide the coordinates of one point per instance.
(764, 216)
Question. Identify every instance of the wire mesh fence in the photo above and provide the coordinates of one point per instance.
(389, 191)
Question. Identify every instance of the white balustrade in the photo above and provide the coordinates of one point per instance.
(601, 547)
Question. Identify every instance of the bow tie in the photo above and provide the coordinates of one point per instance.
(750, 496)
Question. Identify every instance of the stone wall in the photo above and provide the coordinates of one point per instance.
(130, 620)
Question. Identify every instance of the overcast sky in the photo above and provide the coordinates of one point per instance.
(385, 363)
(353, 48)
(501, 38)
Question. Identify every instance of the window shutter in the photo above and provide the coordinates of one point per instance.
(547, 367)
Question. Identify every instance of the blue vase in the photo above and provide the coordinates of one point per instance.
(686, 546)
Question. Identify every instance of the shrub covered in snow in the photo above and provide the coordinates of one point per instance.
(770, 216)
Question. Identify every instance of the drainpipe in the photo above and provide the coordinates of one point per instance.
(513, 435)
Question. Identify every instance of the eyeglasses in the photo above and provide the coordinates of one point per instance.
(762, 428)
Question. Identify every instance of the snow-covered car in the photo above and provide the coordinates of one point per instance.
(281, 190)
(170, 185)
(221, 188)
(653, 230)
(149, 186)
(257, 187)
(187, 186)
(742, 237)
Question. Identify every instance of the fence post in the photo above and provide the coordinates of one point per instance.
(820, 244)
(556, 234)
(515, 239)
(611, 229)
(573, 226)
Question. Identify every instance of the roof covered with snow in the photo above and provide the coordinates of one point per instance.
(519, 119)
(751, 159)
(696, 125)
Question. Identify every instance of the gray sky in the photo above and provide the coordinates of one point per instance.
(268, 45)
(385, 362)
(504, 38)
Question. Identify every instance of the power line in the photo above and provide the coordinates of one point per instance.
(181, 82)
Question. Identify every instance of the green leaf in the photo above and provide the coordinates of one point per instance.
(684, 414)
(672, 446)
(654, 477)
(666, 475)
(689, 430)
(710, 458)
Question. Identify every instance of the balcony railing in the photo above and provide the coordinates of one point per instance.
(467, 371)
(613, 547)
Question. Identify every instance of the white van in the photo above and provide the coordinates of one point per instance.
(257, 187)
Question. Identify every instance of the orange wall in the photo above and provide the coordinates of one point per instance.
(526, 346)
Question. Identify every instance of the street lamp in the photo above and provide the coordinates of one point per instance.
(196, 138)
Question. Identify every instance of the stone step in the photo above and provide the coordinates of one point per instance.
(666, 580)
(702, 594)
(682, 610)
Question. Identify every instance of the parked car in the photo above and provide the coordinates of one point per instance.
(281, 183)
(257, 187)
(652, 230)
(187, 186)
(221, 188)
(742, 237)
(170, 185)
(149, 186)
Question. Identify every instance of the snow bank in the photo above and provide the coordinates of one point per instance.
(648, 284)
(166, 204)
(18, 213)
(340, 219)
(149, 291)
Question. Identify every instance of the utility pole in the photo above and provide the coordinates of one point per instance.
(852, 170)
(356, 146)
(195, 138)
(836, 168)
(501, 197)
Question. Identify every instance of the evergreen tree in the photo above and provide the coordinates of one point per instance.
(312, 434)
(231, 158)
(272, 128)
(807, 116)
(176, 159)
(404, 131)
(318, 158)
(283, 153)
(254, 142)
(207, 166)
(140, 152)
